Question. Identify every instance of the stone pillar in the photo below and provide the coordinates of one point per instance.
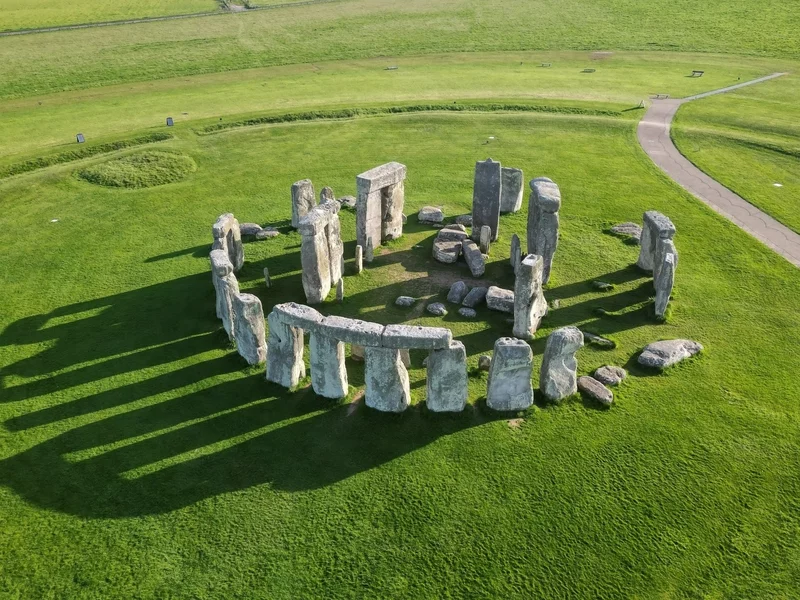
(359, 260)
(486, 198)
(226, 286)
(228, 237)
(250, 335)
(379, 204)
(655, 226)
(326, 194)
(285, 364)
(666, 262)
(543, 222)
(387, 383)
(516, 252)
(509, 386)
(392, 201)
(315, 255)
(303, 200)
(511, 192)
(447, 379)
(558, 377)
(328, 372)
(485, 239)
(529, 302)
(333, 232)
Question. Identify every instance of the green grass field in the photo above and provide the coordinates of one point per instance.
(141, 458)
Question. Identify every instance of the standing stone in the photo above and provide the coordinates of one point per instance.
(228, 237)
(226, 286)
(458, 292)
(485, 239)
(486, 197)
(484, 362)
(303, 200)
(328, 372)
(285, 364)
(530, 305)
(511, 190)
(333, 233)
(516, 252)
(392, 201)
(359, 259)
(543, 222)
(474, 258)
(655, 226)
(250, 336)
(558, 376)
(447, 379)
(379, 204)
(369, 254)
(326, 194)
(664, 274)
(357, 352)
(267, 279)
(386, 378)
(340, 291)
(509, 386)
(315, 256)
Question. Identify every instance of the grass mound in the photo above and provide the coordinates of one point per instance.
(143, 170)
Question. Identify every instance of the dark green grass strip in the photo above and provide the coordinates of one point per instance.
(80, 153)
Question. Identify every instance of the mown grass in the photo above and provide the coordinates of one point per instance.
(140, 457)
(353, 29)
(140, 170)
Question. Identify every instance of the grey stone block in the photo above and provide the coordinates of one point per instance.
(251, 341)
(353, 331)
(655, 226)
(509, 386)
(298, 315)
(595, 390)
(303, 200)
(468, 313)
(530, 305)
(485, 239)
(660, 355)
(665, 264)
(446, 252)
(228, 237)
(511, 190)
(328, 372)
(285, 364)
(558, 375)
(500, 299)
(474, 258)
(386, 378)
(447, 378)
(486, 197)
(226, 287)
(436, 308)
(416, 337)
(610, 375)
(430, 214)
(543, 222)
(475, 296)
(458, 292)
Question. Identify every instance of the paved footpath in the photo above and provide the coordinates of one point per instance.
(653, 133)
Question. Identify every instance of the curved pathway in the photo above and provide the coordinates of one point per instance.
(653, 133)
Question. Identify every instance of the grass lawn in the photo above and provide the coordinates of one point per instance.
(749, 140)
(141, 458)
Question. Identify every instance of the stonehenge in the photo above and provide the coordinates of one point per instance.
(511, 190)
(543, 208)
(659, 255)
(303, 200)
(228, 237)
(226, 286)
(447, 379)
(558, 375)
(486, 198)
(509, 386)
(655, 227)
(530, 305)
(379, 206)
(250, 335)
(321, 250)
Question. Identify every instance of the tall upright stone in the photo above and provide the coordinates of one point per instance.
(285, 364)
(228, 237)
(386, 378)
(379, 204)
(666, 262)
(326, 194)
(333, 232)
(226, 286)
(486, 194)
(516, 252)
(512, 190)
(530, 305)
(543, 222)
(315, 255)
(359, 259)
(328, 372)
(447, 378)
(655, 226)
(485, 239)
(250, 335)
(558, 377)
(509, 386)
(303, 200)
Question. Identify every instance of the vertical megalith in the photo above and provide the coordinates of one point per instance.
(328, 373)
(326, 194)
(486, 198)
(530, 305)
(392, 202)
(665, 263)
(509, 386)
(447, 378)
(379, 205)
(359, 259)
(303, 200)
(558, 377)
(655, 226)
(516, 252)
(226, 287)
(285, 364)
(485, 239)
(228, 237)
(250, 335)
(315, 255)
(543, 222)
(386, 378)
(511, 190)
(333, 233)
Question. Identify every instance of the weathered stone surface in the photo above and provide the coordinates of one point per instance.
(629, 230)
(666, 261)
(598, 340)
(326, 194)
(359, 262)
(447, 378)
(474, 258)
(475, 296)
(340, 290)
(392, 202)
(267, 279)
(436, 308)
(369, 251)
(603, 286)
(333, 233)
(328, 372)
(298, 315)
(543, 222)
(469, 313)
(303, 200)
(451, 233)
(458, 291)
(660, 355)
(465, 220)
(484, 362)
(430, 214)
(416, 337)
(511, 190)
(249, 228)
(610, 375)
(446, 252)
(485, 239)
(595, 390)
(405, 301)
(655, 226)
(348, 201)
(251, 340)
(228, 237)
(530, 305)
(315, 255)
(516, 252)
(226, 287)
(557, 378)
(500, 299)
(405, 358)
(379, 204)
(353, 331)
(486, 197)
(386, 378)
(285, 364)
(357, 352)
(509, 386)
(267, 233)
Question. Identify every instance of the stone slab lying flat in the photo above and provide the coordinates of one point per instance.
(500, 299)
(660, 355)
(353, 331)
(416, 337)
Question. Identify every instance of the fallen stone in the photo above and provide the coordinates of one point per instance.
(602, 286)
(475, 296)
(353, 331)
(660, 355)
(500, 299)
(447, 378)
(484, 362)
(249, 228)
(610, 375)
(386, 378)
(267, 233)
(530, 306)
(474, 258)
(628, 230)
(446, 252)
(557, 378)
(458, 292)
(469, 313)
(486, 197)
(436, 308)
(328, 371)
(465, 220)
(285, 364)
(509, 386)
(348, 202)
(416, 337)
(511, 190)
(595, 390)
(598, 340)
(405, 301)
(485, 239)
(430, 214)
(451, 233)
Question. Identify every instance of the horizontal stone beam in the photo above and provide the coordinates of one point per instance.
(298, 315)
(353, 331)
(416, 337)
(380, 177)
